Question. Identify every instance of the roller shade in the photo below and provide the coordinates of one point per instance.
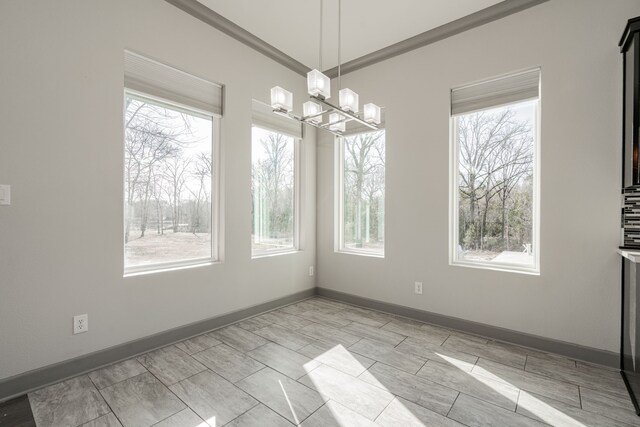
(153, 78)
(518, 87)
(264, 117)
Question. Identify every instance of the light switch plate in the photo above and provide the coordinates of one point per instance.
(5, 195)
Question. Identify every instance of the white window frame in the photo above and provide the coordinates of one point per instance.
(215, 188)
(339, 246)
(454, 201)
(296, 199)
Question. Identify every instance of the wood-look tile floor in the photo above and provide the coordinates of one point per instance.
(325, 363)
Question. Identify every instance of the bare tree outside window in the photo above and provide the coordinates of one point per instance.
(167, 183)
(363, 187)
(272, 191)
(495, 156)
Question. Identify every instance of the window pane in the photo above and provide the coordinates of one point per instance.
(496, 185)
(168, 177)
(272, 191)
(363, 192)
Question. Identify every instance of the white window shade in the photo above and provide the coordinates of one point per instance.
(495, 92)
(165, 82)
(264, 117)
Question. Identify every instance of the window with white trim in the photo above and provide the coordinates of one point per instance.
(171, 120)
(495, 173)
(360, 192)
(274, 182)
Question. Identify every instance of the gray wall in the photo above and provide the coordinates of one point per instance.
(61, 243)
(576, 297)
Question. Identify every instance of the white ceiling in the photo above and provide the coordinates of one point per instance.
(293, 26)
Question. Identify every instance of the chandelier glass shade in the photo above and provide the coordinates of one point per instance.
(319, 90)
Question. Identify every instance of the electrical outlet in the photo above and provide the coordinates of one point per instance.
(418, 288)
(311, 271)
(80, 323)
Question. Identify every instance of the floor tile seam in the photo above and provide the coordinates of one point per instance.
(249, 393)
(375, 340)
(315, 342)
(509, 385)
(316, 410)
(206, 368)
(374, 327)
(528, 390)
(200, 351)
(174, 394)
(117, 382)
(545, 377)
(273, 369)
(452, 404)
(625, 400)
(334, 326)
(404, 339)
(409, 352)
(246, 376)
(265, 364)
(515, 406)
(107, 403)
(394, 397)
(533, 394)
(282, 345)
(383, 388)
(475, 397)
(366, 324)
(569, 382)
(484, 357)
(251, 408)
(93, 419)
(194, 354)
(386, 363)
(443, 363)
(169, 416)
(580, 397)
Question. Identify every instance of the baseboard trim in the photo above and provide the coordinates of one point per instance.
(574, 351)
(38, 378)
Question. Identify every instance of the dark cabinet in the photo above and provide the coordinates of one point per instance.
(630, 328)
(630, 47)
(630, 342)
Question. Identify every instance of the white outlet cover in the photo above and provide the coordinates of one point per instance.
(5, 195)
(418, 288)
(311, 271)
(80, 323)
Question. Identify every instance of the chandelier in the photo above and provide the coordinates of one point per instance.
(319, 90)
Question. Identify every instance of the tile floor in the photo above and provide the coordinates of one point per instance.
(325, 363)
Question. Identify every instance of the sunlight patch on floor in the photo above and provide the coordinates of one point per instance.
(343, 416)
(537, 407)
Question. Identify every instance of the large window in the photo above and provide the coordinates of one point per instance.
(361, 169)
(170, 180)
(495, 181)
(167, 190)
(273, 192)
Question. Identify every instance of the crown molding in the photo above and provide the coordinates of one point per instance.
(466, 23)
(477, 19)
(233, 30)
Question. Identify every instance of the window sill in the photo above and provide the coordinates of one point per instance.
(269, 254)
(360, 253)
(507, 268)
(163, 268)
